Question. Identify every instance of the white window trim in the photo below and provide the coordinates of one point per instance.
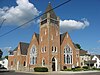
(43, 49)
(53, 50)
(56, 49)
(45, 32)
(33, 54)
(69, 54)
(43, 62)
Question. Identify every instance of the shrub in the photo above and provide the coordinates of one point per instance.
(67, 69)
(85, 67)
(41, 69)
(96, 68)
(77, 67)
(93, 68)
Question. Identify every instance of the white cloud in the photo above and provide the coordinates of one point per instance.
(70, 25)
(96, 49)
(19, 14)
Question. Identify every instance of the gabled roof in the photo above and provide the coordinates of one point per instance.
(98, 56)
(24, 48)
(15, 49)
(62, 37)
(12, 52)
(37, 36)
(49, 10)
(82, 52)
(75, 46)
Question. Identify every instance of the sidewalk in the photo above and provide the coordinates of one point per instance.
(62, 72)
(77, 72)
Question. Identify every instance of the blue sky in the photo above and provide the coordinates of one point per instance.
(79, 17)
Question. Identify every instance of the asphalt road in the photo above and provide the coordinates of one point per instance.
(18, 73)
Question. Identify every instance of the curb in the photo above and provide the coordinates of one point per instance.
(63, 72)
(78, 72)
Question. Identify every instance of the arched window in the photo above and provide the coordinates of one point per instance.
(33, 60)
(55, 49)
(68, 59)
(43, 62)
(64, 59)
(45, 48)
(33, 55)
(67, 55)
(71, 58)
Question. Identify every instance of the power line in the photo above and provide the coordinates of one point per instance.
(2, 23)
(3, 19)
(34, 18)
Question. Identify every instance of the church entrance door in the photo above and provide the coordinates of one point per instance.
(54, 64)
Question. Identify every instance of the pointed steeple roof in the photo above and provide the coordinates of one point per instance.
(49, 9)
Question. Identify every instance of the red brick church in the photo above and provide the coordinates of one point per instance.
(48, 49)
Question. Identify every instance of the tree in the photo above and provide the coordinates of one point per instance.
(79, 47)
(1, 53)
(6, 57)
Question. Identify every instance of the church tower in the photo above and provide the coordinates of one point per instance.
(49, 40)
(48, 49)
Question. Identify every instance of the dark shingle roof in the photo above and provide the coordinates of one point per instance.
(98, 56)
(37, 36)
(49, 10)
(15, 49)
(62, 37)
(24, 48)
(90, 62)
(82, 52)
(75, 46)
